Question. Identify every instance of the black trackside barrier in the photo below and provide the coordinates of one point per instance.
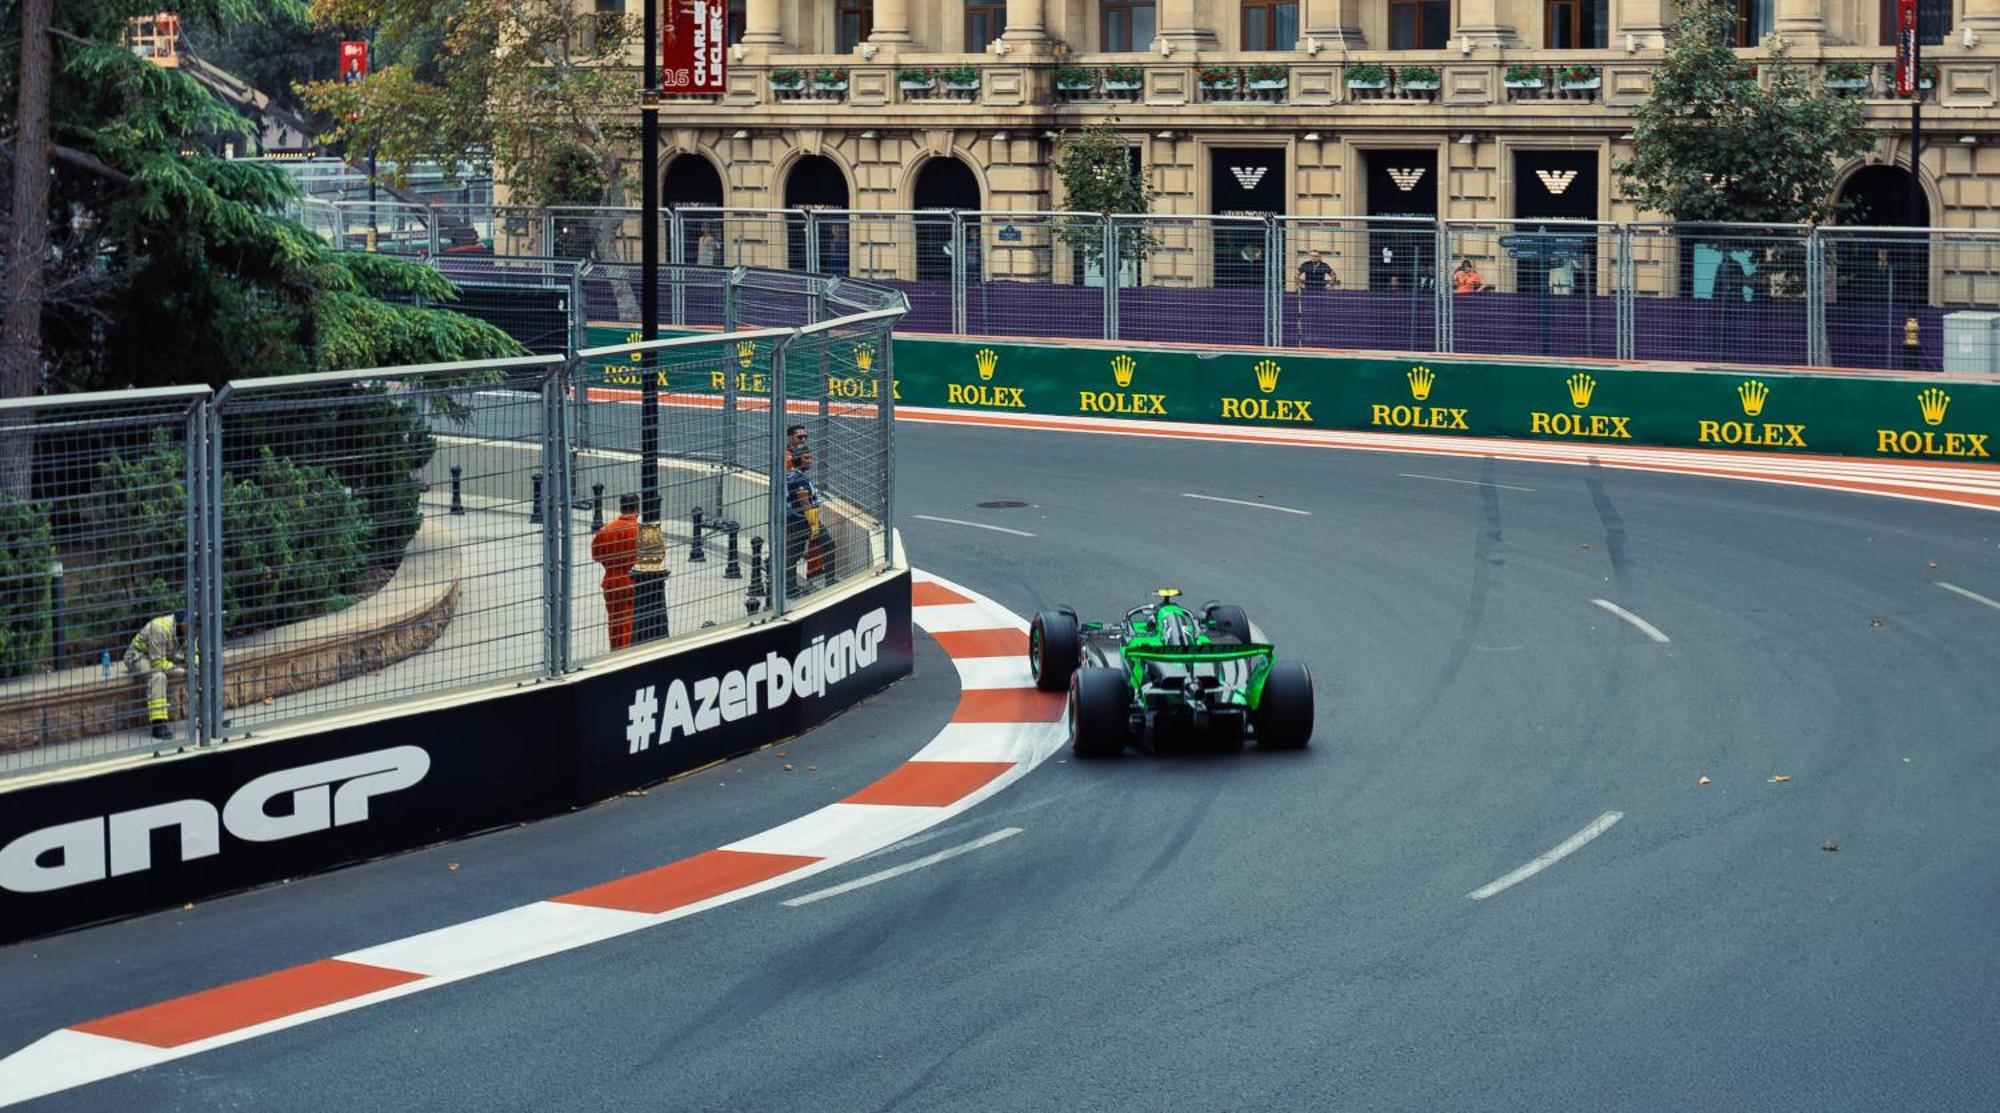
(457, 489)
(695, 553)
(535, 511)
(596, 507)
(753, 596)
(155, 835)
(733, 569)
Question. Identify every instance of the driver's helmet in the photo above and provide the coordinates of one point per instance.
(1177, 627)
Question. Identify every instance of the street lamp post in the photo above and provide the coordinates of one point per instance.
(649, 576)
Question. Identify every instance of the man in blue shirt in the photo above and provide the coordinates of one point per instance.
(802, 524)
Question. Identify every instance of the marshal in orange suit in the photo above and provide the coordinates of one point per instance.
(616, 547)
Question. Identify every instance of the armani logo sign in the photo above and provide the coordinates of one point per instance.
(1406, 180)
(1249, 176)
(1556, 181)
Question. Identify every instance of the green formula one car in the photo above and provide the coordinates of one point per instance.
(1168, 675)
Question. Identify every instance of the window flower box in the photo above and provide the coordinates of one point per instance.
(1219, 80)
(1268, 78)
(1578, 77)
(960, 79)
(787, 81)
(1075, 79)
(1523, 77)
(1847, 75)
(829, 81)
(1367, 75)
(1123, 79)
(1417, 79)
(915, 81)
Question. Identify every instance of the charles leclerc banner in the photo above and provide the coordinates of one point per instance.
(692, 56)
(1906, 48)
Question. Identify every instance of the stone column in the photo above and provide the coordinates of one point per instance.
(892, 22)
(1180, 25)
(1479, 20)
(1802, 22)
(1334, 24)
(1025, 24)
(1641, 23)
(760, 24)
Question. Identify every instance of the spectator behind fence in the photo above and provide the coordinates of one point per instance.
(707, 249)
(803, 535)
(795, 443)
(157, 653)
(616, 547)
(1314, 274)
(1466, 280)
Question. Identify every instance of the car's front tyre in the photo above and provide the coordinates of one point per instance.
(1100, 703)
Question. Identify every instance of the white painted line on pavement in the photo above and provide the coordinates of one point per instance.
(1246, 502)
(1563, 850)
(974, 525)
(1645, 627)
(1972, 595)
(1467, 482)
(906, 867)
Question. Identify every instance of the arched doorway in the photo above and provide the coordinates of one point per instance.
(691, 180)
(1882, 267)
(815, 182)
(944, 183)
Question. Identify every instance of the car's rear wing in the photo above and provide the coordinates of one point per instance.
(1199, 654)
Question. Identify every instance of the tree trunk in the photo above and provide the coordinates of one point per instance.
(27, 243)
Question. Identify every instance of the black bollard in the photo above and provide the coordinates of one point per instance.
(753, 597)
(733, 570)
(596, 507)
(695, 554)
(535, 515)
(457, 489)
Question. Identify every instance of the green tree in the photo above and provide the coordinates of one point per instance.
(25, 563)
(160, 263)
(537, 86)
(1712, 144)
(1099, 175)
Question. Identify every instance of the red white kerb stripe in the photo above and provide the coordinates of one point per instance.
(1002, 728)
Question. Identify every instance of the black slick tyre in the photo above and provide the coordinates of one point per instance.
(1228, 620)
(1053, 649)
(1285, 712)
(1099, 709)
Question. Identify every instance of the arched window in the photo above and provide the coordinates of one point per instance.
(1270, 24)
(853, 21)
(983, 24)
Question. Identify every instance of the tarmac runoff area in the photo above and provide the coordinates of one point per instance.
(1535, 858)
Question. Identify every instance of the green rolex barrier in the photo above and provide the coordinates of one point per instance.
(1931, 417)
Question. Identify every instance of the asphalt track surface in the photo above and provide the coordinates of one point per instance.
(1266, 931)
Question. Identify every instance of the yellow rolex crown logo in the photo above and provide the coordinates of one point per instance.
(746, 352)
(1122, 368)
(1933, 402)
(1421, 379)
(1267, 375)
(1753, 394)
(1581, 387)
(634, 338)
(864, 356)
(986, 359)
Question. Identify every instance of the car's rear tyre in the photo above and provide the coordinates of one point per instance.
(1228, 620)
(1285, 711)
(1100, 705)
(1053, 650)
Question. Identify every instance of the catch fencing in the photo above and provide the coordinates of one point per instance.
(343, 541)
(1781, 296)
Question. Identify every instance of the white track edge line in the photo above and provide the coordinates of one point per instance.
(910, 866)
(1561, 850)
(1643, 626)
(1972, 595)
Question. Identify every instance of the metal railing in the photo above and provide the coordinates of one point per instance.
(355, 539)
(1797, 296)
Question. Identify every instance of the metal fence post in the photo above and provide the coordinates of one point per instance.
(202, 575)
(1441, 288)
(213, 644)
(780, 573)
(558, 523)
(548, 233)
(812, 242)
(1818, 352)
(1274, 282)
(1110, 234)
(886, 391)
(677, 255)
(959, 277)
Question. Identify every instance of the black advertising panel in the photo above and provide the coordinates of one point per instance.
(649, 721)
(165, 832)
